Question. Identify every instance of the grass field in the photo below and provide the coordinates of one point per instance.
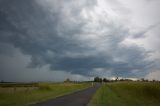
(25, 94)
(127, 94)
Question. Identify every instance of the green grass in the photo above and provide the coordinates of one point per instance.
(22, 96)
(127, 94)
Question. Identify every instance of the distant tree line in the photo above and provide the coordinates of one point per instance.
(146, 80)
(98, 79)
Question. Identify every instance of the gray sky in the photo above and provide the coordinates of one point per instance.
(51, 40)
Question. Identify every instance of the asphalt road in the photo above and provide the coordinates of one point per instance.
(80, 98)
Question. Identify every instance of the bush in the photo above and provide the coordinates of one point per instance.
(45, 87)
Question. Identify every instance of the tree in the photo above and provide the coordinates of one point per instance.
(105, 80)
(142, 79)
(116, 79)
(67, 80)
(97, 79)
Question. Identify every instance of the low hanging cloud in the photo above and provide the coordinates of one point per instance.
(79, 37)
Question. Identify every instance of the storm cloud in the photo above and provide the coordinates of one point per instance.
(85, 37)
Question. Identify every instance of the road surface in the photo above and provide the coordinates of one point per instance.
(80, 98)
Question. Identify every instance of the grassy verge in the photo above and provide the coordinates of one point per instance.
(127, 94)
(22, 96)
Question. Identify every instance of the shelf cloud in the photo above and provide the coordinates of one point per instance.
(78, 39)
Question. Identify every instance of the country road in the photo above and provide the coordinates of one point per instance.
(80, 98)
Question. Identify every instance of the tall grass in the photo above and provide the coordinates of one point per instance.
(127, 94)
(22, 96)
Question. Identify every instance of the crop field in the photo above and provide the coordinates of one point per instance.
(24, 94)
(127, 94)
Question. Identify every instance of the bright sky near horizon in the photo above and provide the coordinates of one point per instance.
(51, 40)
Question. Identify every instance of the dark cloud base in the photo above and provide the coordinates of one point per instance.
(49, 38)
